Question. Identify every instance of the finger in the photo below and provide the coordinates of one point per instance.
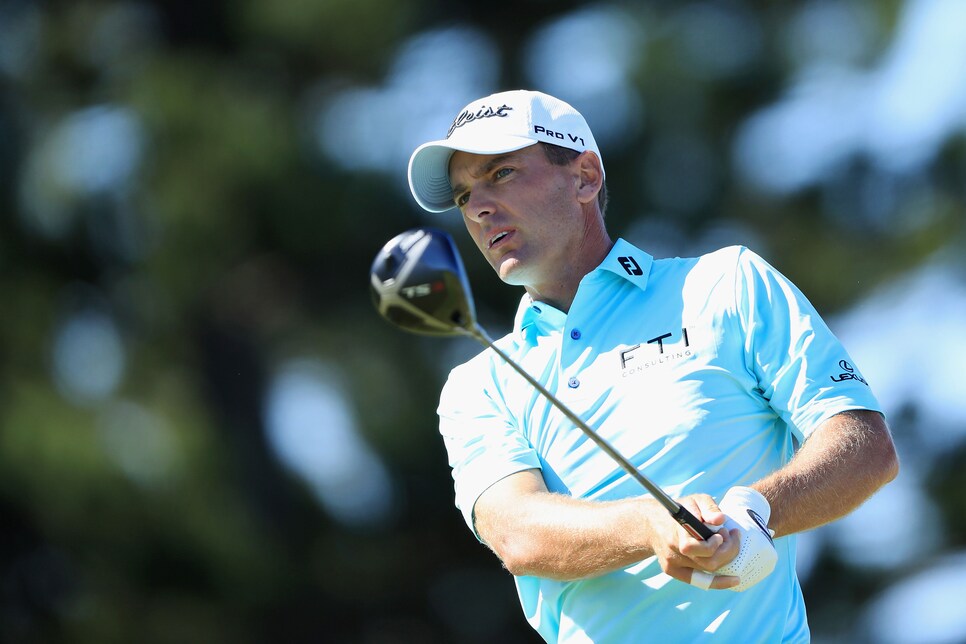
(710, 511)
(705, 508)
(721, 542)
(726, 553)
(716, 552)
(682, 573)
(701, 549)
(706, 580)
(701, 579)
(723, 582)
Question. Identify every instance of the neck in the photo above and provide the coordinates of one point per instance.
(594, 247)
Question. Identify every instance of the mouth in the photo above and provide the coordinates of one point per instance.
(497, 238)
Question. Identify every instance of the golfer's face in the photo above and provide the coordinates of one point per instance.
(521, 211)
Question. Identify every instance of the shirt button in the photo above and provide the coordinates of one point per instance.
(573, 383)
(575, 334)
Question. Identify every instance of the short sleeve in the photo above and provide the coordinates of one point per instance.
(801, 367)
(482, 442)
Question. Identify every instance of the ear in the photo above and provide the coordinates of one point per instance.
(590, 177)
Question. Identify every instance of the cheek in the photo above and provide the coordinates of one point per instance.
(557, 196)
(473, 228)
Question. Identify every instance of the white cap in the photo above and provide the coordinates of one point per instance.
(496, 124)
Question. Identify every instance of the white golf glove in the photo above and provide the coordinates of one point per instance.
(748, 511)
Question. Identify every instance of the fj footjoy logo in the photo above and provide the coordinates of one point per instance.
(848, 373)
(631, 266)
(484, 112)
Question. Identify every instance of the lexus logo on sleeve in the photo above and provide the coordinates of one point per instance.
(848, 373)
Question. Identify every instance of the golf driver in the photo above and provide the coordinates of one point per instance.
(419, 284)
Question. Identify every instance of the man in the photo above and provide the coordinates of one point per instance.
(706, 373)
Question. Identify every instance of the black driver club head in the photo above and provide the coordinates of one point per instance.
(418, 283)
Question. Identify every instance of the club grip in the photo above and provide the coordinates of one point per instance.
(690, 523)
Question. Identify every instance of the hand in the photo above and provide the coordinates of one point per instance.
(749, 511)
(680, 555)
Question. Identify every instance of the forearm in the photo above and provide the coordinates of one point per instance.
(842, 464)
(560, 537)
(565, 538)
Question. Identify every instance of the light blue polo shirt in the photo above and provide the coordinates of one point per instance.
(705, 373)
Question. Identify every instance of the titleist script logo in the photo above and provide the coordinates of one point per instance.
(484, 112)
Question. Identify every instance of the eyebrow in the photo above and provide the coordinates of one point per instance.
(485, 169)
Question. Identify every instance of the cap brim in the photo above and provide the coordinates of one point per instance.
(429, 167)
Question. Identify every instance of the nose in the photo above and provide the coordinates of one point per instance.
(479, 205)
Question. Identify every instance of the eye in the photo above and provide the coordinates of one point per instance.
(502, 172)
(461, 199)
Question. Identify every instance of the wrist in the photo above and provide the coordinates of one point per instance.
(650, 515)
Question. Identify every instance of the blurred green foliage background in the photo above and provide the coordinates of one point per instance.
(206, 432)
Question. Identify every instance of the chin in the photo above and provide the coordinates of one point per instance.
(511, 273)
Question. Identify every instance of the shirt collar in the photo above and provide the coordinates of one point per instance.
(624, 260)
(629, 262)
(535, 317)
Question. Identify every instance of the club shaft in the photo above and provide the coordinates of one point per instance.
(687, 520)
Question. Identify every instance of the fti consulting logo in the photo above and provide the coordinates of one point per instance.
(660, 350)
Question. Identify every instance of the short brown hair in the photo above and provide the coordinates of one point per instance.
(559, 155)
